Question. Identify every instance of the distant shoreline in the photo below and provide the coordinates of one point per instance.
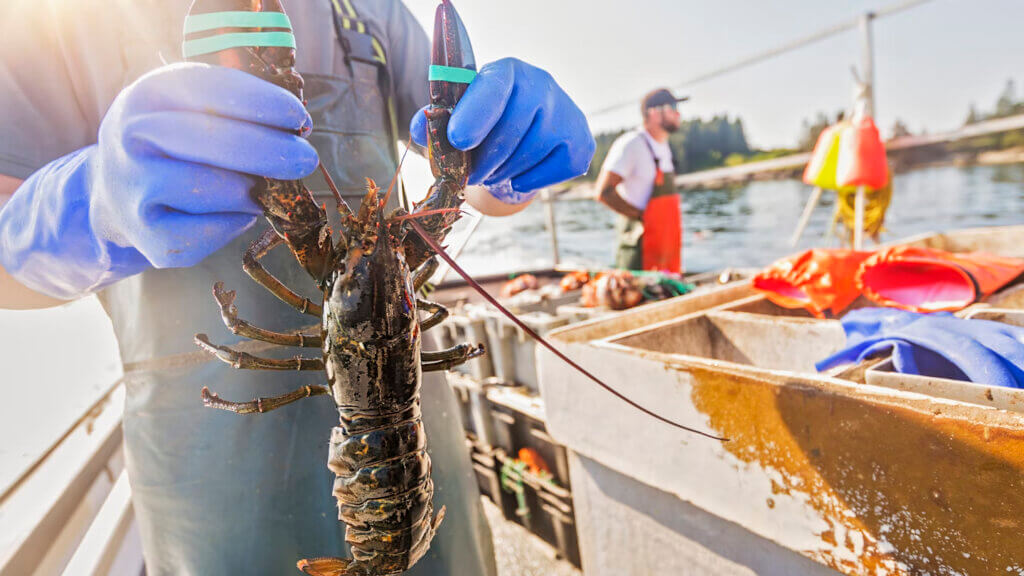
(791, 168)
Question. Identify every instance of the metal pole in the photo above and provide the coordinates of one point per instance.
(868, 62)
(858, 219)
(868, 78)
(549, 208)
(812, 203)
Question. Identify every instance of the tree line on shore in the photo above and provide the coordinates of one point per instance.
(701, 144)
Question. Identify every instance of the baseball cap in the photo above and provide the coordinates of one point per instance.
(659, 97)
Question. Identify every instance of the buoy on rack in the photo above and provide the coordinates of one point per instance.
(861, 159)
(821, 170)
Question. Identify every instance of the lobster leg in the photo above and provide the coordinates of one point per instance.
(459, 351)
(246, 361)
(251, 264)
(261, 405)
(438, 313)
(451, 357)
(229, 313)
(424, 273)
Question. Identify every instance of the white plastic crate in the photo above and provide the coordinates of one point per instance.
(467, 327)
(512, 350)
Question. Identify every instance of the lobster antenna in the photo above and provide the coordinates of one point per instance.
(343, 206)
(398, 171)
(425, 213)
(451, 262)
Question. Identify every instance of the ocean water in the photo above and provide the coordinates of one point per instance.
(54, 363)
(749, 225)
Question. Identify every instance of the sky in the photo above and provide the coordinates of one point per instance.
(931, 61)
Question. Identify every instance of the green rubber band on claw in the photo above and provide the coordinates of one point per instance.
(450, 74)
(192, 48)
(240, 19)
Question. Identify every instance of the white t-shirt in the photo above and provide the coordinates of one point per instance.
(630, 158)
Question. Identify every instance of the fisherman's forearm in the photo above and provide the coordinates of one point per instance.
(610, 198)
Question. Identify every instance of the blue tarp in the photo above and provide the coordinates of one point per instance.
(939, 345)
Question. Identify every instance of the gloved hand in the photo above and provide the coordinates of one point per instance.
(524, 130)
(939, 345)
(166, 185)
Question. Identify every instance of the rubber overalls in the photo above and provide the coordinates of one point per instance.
(221, 493)
(630, 232)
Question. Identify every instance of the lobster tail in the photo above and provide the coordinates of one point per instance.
(367, 562)
(384, 493)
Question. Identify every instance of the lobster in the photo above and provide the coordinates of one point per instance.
(370, 330)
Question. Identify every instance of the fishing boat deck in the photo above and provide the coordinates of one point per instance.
(859, 470)
(70, 509)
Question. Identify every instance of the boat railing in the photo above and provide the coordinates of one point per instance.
(69, 512)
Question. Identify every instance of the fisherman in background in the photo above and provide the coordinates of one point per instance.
(637, 171)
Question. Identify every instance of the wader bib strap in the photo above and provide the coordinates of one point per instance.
(361, 45)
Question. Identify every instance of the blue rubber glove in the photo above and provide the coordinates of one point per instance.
(939, 345)
(166, 185)
(524, 130)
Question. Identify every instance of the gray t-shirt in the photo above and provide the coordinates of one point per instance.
(62, 62)
(631, 158)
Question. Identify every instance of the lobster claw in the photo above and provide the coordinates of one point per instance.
(452, 68)
(452, 62)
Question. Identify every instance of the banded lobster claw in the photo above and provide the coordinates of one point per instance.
(256, 37)
(452, 68)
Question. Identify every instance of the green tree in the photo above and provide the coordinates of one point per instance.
(972, 116)
(604, 143)
(811, 129)
(697, 145)
(899, 129)
(1007, 102)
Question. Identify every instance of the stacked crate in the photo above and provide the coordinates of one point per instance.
(503, 414)
(502, 424)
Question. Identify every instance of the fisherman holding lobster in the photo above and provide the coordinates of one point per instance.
(130, 178)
